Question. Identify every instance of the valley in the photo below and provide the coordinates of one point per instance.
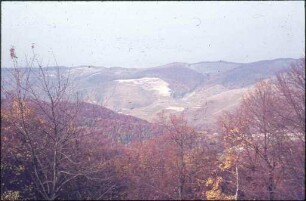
(202, 90)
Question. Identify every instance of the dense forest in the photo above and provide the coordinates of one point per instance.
(54, 146)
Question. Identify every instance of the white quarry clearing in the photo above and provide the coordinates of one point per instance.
(179, 109)
(151, 84)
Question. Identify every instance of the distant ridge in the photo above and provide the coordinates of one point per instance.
(190, 87)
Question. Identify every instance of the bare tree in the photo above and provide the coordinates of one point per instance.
(45, 115)
(270, 129)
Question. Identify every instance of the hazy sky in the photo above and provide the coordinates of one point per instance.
(146, 34)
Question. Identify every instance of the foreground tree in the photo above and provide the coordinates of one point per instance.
(268, 135)
(42, 118)
(174, 165)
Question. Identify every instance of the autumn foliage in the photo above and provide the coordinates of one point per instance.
(53, 146)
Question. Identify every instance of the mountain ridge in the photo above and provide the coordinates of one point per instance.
(190, 86)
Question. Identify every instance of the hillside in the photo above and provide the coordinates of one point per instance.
(175, 87)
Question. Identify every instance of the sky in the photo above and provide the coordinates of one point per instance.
(147, 34)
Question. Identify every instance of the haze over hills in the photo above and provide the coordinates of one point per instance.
(200, 90)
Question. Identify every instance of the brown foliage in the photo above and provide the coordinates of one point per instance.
(267, 133)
